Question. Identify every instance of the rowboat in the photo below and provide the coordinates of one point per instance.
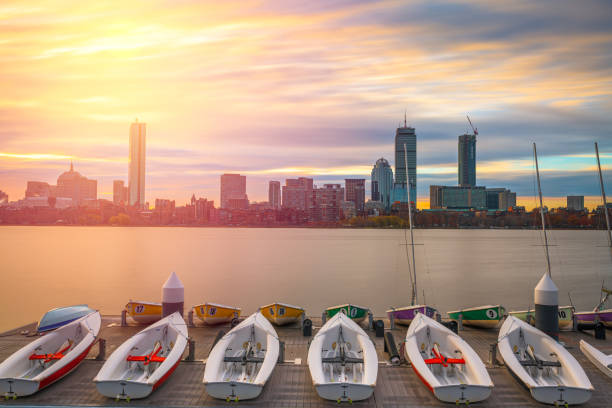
(62, 315)
(281, 313)
(144, 312)
(405, 315)
(144, 361)
(543, 366)
(214, 313)
(342, 361)
(566, 316)
(601, 361)
(241, 362)
(48, 358)
(357, 313)
(445, 363)
(486, 317)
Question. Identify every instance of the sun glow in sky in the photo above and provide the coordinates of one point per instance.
(282, 89)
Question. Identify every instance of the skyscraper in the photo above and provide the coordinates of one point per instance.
(136, 173)
(274, 195)
(382, 182)
(120, 192)
(467, 160)
(355, 192)
(233, 187)
(405, 136)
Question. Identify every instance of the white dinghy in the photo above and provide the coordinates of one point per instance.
(342, 361)
(546, 368)
(601, 361)
(48, 358)
(445, 363)
(240, 364)
(144, 361)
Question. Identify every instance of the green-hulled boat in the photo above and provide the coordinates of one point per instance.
(487, 317)
(566, 317)
(357, 313)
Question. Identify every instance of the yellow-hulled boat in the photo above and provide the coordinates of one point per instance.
(144, 312)
(214, 313)
(282, 313)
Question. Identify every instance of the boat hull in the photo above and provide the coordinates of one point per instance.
(344, 391)
(282, 314)
(462, 394)
(124, 389)
(144, 312)
(405, 315)
(599, 359)
(62, 316)
(561, 395)
(604, 316)
(356, 313)
(566, 316)
(233, 390)
(216, 314)
(486, 317)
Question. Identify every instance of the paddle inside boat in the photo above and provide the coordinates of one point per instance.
(144, 361)
(241, 362)
(550, 373)
(48, 358)
(342, 361)
(445, 363)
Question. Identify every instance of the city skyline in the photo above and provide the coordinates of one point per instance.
(207, 79)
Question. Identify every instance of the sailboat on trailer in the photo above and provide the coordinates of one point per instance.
(600, 313)
(405, 315)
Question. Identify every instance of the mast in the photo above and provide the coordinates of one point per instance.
(535, 155)
(414, 283)
(603, 195)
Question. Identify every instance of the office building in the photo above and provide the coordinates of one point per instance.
(328, 203)
(405, 164)
(457, 197)
(39, 189)
(575, 203)
(382, 182)
(120, 192)
(500, 199)
(136, 170)
(355, 193)
(298, 194)
(233, 187)
(467, 160)
(71, 184)
(274, 195)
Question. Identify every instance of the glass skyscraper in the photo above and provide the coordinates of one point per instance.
(405, 164)
(467, 160)
(382, 182)
(136, 171)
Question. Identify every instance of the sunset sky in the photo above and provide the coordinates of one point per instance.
(281, 89)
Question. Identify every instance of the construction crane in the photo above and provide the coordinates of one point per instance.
(475, 130)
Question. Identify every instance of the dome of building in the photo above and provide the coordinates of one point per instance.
(382, 162)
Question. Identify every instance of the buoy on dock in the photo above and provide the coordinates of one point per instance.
(546, 297)
(173, 296)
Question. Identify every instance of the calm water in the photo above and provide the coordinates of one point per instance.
(46, 267)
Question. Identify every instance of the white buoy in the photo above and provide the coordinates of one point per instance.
(173, 296)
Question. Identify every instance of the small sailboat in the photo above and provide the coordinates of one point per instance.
(282, 313)
(144, 361)
(342, 361)
(357, 313)
(62, 315)
(602, 362)
(144, 312)
(214, 313)
(566, 316)
(405, 315)
(550, 373)
(241, 363)
(445, 363)
(486, 317)
(600, 313)
(48, 358)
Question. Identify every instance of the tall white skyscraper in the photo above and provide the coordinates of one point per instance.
(136, 173)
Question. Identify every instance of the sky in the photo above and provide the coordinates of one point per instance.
(276, 90)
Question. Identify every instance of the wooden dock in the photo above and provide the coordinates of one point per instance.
(290, 384)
